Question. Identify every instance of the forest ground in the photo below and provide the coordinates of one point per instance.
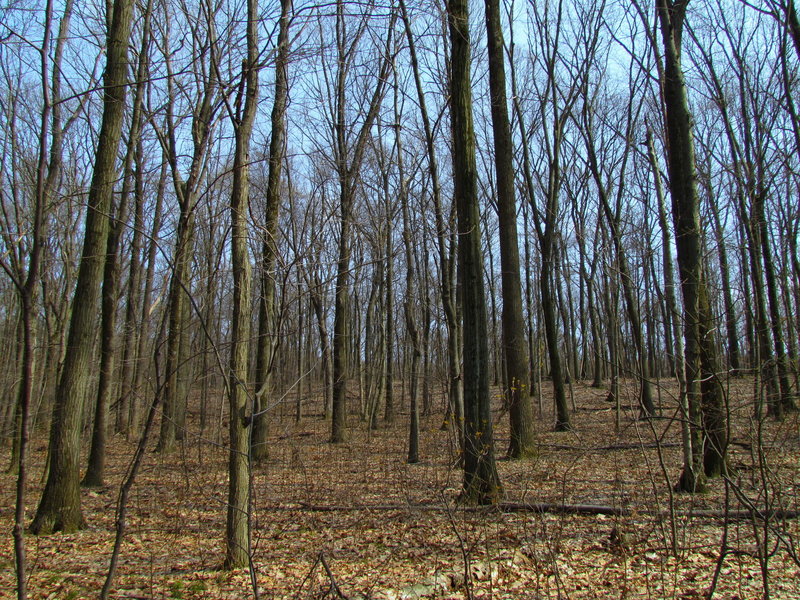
(390, 530)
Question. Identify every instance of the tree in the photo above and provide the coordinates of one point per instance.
(481, 481)
(188, 192)
(554, 106)
(242, 115)
(60, 507)
(446, 263)
(348, 156)
(267, 337)
(514, 344)
(95, 469)
(703, 392)
(613, 217)
(125, 421)
(22, 262)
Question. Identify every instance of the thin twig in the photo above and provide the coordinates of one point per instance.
(331, 578)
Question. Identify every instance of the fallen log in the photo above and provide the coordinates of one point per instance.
(552, 508)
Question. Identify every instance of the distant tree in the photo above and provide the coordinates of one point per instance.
(350, 140)
(443, 240)
(204, 99)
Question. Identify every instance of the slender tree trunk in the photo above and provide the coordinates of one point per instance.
(724, 273)
(237, 529)
(546, 233)
(447, 292)
(412, 294)
(703, 393)
(786, 401)
(646, 405)
(688, 435)
(142, 335)
(188, 193)
(267, 337)
(27, 284)
(130, 329)
(349, 157)
(514, 348)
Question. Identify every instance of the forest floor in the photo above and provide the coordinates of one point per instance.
(357, 516)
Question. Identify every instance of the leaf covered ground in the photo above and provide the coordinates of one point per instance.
(356, 518)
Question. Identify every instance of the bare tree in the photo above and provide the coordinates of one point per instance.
(481, 481)
(514, 344)
(60, 506)
(242, 115)
(348, 153)
(704, 393)
(267, 337)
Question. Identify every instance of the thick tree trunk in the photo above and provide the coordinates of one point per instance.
(671, 303)
(481, 481)
(60, 508)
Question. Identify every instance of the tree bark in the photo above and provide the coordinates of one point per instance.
(267, 337)
(237, 528)
(60, 508)
(514, 344)
(703, 393)
(481, 481)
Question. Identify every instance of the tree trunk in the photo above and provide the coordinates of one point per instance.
(676, 351)
(60, 508)
(481, 481)
(724, 273)
(237, 528)
(267, 337)
(447, 292)
(545, 225)
(646, 405)
(700, 350)
(514, 345)
(349, 156)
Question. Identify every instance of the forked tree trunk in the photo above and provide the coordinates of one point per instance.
(237, 528)
(349, 156)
